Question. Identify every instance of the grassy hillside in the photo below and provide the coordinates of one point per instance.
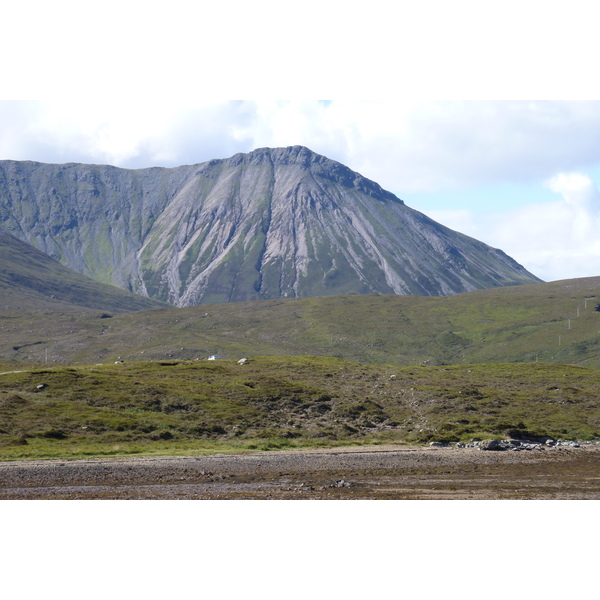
(31, 280)
(549, 322)
(413, 372)
(284, 402)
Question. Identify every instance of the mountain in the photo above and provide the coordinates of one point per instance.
(273, 223)
(31, 280)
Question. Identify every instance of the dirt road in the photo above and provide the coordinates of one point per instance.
(381, 472)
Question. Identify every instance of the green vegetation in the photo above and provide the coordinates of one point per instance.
(340, 370)
(181, 407)
(549, 322)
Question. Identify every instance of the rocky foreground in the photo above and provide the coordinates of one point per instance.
(382, 472)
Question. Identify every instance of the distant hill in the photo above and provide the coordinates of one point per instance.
(273, 223)
(554, 322)
(31, 280)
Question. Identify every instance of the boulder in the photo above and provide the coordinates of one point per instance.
(494, 445)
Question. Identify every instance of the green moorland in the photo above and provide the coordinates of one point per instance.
(354, 369)
(553, 322)
(191, 407)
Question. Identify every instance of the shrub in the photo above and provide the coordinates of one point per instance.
(54, 434)
(13, 441)
(162, 435)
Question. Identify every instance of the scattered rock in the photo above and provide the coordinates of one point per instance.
(242, 361)
(516, 445)
(494, 445)
(306, 487)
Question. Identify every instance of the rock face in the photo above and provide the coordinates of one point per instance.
(272, 223)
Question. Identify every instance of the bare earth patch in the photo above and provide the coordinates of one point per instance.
(381, 472)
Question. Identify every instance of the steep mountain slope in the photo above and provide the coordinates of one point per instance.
(273, 223)
(31, 280)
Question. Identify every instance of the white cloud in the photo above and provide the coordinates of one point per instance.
(411, 146)
(125, 133)
(555, 240)
(577, 189)
(405, 145)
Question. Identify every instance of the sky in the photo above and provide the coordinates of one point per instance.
(481, 115)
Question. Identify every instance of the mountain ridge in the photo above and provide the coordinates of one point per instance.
(282, 222)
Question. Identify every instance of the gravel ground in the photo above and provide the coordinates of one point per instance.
(381, 472)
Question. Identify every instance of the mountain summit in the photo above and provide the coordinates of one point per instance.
(276, 222)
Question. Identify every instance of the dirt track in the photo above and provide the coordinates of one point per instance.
(346, 473)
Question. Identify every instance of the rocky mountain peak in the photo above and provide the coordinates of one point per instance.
(274, 222)
(291, 155)
(320, 166)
